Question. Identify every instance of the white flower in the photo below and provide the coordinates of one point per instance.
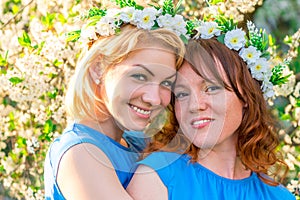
(88, 33)
(32, 144)
(106, 26)
(235, 39)
(176, 23)
(297, 90)
(250, 54)
(165, 21)
(113, 13)
(127, 14)
(179, 25)
(208, 30)
(259, 68)
(267, 89)
(145, 19)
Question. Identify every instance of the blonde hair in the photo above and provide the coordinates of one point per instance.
(82, 100)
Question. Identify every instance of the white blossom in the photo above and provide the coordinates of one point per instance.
(88, 33)
(127, 14)
(106, 26)
(208, 30)
(267, 89)
(258, 68)
(235, 39)
(250, 54)
(176, 23)
(145, 18)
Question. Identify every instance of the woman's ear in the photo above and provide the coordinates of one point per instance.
(95, 73)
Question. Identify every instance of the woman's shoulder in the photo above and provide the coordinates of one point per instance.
(162, 159)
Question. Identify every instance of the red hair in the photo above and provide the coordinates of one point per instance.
(257, 139)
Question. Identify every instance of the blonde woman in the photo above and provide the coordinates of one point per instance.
(122, 83)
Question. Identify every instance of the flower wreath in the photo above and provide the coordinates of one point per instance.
(252, 47)
(106, 22)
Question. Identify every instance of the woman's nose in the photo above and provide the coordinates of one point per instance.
(152, 94)
(198, 101)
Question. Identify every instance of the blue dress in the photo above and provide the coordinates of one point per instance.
(123, 159)
(188, 181)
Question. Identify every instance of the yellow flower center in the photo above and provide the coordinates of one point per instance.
(146, 19)
(234, 40)
(210, 30)
(258, 67)
(250, 55)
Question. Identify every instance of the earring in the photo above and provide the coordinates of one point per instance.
(97, 81)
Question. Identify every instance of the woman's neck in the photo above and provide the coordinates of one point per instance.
(224, 163)
(108, 127)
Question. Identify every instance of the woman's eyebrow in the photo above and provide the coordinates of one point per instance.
(144, 67)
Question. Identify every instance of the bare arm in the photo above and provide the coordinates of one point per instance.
(146, 184)
(85, 172)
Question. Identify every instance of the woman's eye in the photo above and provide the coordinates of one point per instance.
(212, 89)
(167, 84)
(140, 77)
(181, 95)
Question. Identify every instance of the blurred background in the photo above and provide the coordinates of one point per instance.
(36, 64)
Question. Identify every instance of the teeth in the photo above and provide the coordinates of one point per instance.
(200, 122)
(144, 112)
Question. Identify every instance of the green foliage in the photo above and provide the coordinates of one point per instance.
(3, 64)
(258, 38)
(129, 3)
(225, 24)
(277, 77)
(48, 20)
(42, 117)
(214, 2)
(15, 80)
(25, 40)
(96, 12)
(73, 36)
(169, 7)
(190, 25)
(12, 6)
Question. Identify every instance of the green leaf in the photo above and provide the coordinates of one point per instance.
(53, 94)
(7, 101)
(3, 60)
(96, 12)
(48, 20)
(221, 38)
(288, 39)
(62, 18)
(177, 7)
(93, 20)
(285, 117)
(2, 170)
(40, 47)
(15, 9)
(57, 63)
(225, 24)
(129, 3)
(11, 121)
(48, 127)
(3, 71)
(184, 39)
(298, 102)
(73, 36)
(21, 142)
(15, 80)
(277, 77)
(25, 40)
(190, 25)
